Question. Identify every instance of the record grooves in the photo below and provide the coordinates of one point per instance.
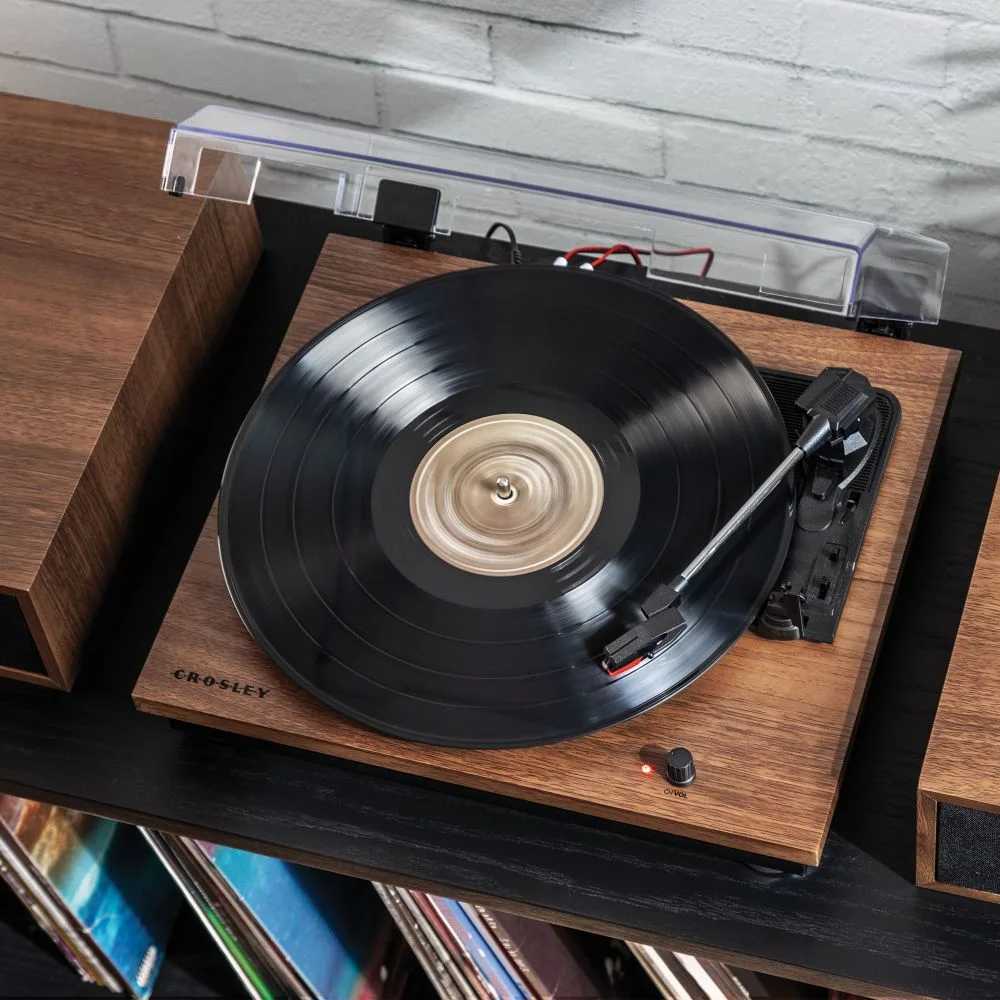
(333, 579)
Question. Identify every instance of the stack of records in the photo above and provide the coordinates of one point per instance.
(678, 976)
(471, 953)
(109, 904)
(683, 977)
(288, 930)
(94, 887)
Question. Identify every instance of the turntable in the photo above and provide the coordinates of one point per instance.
(494, 525)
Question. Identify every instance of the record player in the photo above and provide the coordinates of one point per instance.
(493, 525)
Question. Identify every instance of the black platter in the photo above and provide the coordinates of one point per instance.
(331, 577)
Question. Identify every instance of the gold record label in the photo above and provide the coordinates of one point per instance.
(506, 494)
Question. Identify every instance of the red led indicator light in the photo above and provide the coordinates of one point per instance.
(646, 769)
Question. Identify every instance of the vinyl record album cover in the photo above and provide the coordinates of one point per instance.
(332, 930)
(489, 971)
(548, 957)
(438, 970)
(106, 899)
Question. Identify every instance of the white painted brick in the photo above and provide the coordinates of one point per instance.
(864, 183)
(872, 41)
(196, 12)
(973, 59)
(790, 168)
(133, 97)
(414, 36)
(601, 15)
(210, 62)
(948, 196)
(55, 33)
(923, 194)
(976, 10)
(875, 113)
(947, 125)
(554, 128)
(639, 74)
(123, 94)
(971, 134)
(731, 159)
(767, 28)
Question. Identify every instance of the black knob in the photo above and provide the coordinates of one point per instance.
(680, 766)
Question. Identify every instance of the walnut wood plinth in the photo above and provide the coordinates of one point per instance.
(112, 293)
(769, 725)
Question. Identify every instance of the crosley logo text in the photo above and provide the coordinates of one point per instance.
(236, 687)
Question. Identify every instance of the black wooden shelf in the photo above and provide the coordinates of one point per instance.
(858, 917)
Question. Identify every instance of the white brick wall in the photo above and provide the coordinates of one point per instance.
(682, 81)
(68, 36)
(413, 35)
(180, 11)
(206, 61)
(888, 109)
(882, 44)
(519, 122)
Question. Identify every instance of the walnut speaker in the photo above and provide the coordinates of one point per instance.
(958, 806)
(113, 295)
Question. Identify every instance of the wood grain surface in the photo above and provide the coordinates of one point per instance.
(764, 702)
(113, 294)
(962, 764)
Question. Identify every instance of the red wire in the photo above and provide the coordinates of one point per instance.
(570, 254)
(689, 251)
(606, 252)
(620, 248)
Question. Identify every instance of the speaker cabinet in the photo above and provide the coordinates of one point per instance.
(958, 800)
(113, 293)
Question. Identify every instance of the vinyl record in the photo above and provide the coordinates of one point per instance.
(440, 510)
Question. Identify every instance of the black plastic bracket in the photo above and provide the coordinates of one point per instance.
(407, 212)
(897, 329)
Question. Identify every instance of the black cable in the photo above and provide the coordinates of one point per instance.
(515, 251)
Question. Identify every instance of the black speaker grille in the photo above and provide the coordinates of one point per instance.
(968, 847)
